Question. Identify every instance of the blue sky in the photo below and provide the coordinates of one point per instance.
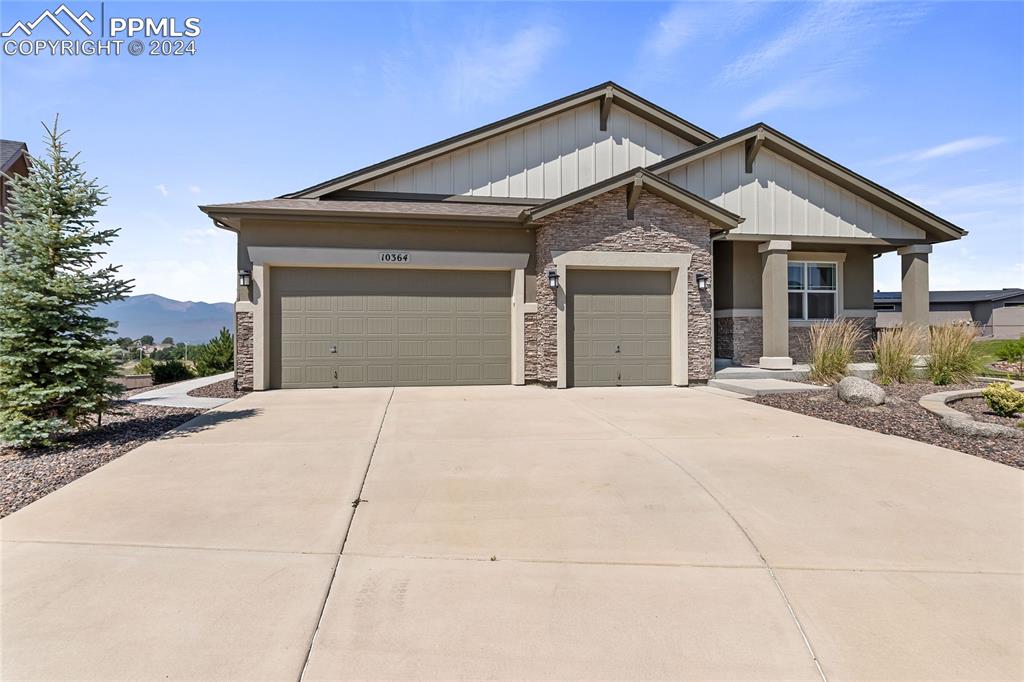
(926, 99)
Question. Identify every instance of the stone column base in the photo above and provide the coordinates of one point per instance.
(781, 362)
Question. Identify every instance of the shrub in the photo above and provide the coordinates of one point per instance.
(216, 355)
(172, 370)
(144, 366)
(1013, 352)
(1003, 399)
(894, 352)
(832, 345)
(953, 359)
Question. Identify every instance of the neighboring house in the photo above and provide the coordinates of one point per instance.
(595, 240)
(13, 161)
(998, 313)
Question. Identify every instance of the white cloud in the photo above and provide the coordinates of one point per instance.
(673, 31)
(487, 69)
(818, 51)
(195, 189)
(203, 235)
(967, 144)
(162, 189)
(806, 93)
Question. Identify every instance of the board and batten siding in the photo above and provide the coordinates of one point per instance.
(783, 198)
(543, 160)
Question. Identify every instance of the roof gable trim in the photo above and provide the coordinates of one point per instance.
(605, 92)
(762, 135)
(636, 181)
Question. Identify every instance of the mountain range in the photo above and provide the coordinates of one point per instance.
(188, 321)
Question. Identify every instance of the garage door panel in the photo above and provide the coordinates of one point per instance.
(620, 324)
(389, 327)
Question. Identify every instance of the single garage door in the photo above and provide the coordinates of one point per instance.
(333, 327)
(620, 327)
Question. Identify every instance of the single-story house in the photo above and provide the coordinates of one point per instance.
(998, 313)
(14, 160)
(597, 240)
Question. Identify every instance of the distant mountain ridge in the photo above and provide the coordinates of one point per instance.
(188, 321)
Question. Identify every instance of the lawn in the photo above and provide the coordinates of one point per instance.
(988, 353)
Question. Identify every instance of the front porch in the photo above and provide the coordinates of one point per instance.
(768, 294)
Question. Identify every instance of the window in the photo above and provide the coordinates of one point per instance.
(813, 291)
(885, 307)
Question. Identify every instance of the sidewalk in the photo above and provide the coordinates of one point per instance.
(176, 395)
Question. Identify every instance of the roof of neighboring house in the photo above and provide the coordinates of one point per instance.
(965, 296)
(762, 133)
(614, 92)
(635, 180)
(10, 150)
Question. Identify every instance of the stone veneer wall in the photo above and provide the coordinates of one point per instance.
(739, 339)
(600, 224)
(243, 351)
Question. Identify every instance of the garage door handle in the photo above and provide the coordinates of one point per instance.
(618, 349)
(334, 349)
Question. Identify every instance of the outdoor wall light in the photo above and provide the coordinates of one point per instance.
(244, 278)
(553, 279)
(702, 281)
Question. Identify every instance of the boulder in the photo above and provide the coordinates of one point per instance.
(966, 426)
(861, 392)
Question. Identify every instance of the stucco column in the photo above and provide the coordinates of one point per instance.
(775, 304)
(915, 284)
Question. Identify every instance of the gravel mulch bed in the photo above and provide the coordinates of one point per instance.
(978, 408)
(27, 475)
(221, 389)
(901, 416)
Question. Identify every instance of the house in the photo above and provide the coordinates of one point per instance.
(14, 160)
(596, 240)
(998, 313)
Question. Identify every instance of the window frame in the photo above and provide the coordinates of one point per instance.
(804, 290)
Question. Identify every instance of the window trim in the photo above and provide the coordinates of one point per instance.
(811, 258)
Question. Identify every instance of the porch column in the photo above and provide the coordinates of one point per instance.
(775, 304)
(915, 284)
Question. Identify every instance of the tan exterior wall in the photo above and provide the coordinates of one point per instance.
(1007, 322)
(397, 237)
(546, 159)
(600, 224)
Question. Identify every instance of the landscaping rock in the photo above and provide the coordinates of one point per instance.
(967, 426)
(860, 392)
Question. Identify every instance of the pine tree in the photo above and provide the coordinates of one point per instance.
(216, 355)
(55, 359)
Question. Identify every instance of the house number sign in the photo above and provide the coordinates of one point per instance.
(394, 257)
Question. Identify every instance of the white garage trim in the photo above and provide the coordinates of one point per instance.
(677, 263)
(265, 257)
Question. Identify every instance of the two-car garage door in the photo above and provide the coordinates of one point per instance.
(366, 327)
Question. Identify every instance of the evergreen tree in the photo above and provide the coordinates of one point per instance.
(55, 359)
(216, 355)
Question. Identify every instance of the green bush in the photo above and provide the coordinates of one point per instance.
(1013, 352)
(1003, 399)
(172, 370)
(894, 353)
(216, 355)
(952, 358)
(144, 366)
(832, 346)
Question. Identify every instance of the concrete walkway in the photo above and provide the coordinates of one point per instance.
(176, 395)
(517, 532)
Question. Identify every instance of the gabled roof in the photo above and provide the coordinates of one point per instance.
(637, 180)
(964, 296)
(606, 92)
(762, 134)
(10, 151)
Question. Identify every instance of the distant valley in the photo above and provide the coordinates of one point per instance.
(188, 321)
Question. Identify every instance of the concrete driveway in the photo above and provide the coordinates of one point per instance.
(507, 532)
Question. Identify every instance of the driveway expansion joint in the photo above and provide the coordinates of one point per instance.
(344, 539)
(757, 550)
